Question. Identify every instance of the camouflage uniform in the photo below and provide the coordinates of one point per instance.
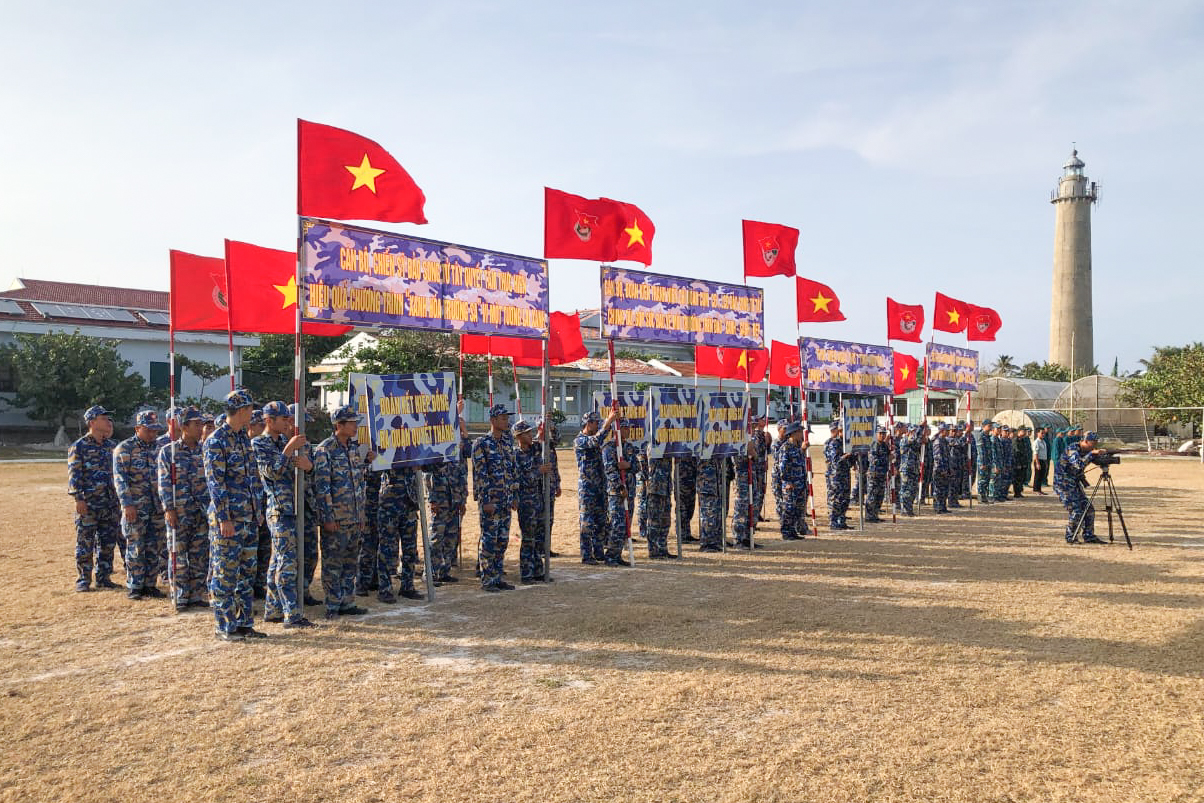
(90, 479)
(530, 507)
(182, 488)
(494, 481)
(760, 471)
(591, 492)
(616, 501)
(397, 524)
(447, 491)
(658, 489)
(135, 466)
(553, 479)
(1068, 484)
(957, 472)
(277, 475)
(1001, 480)
(641, 492)
(746, 491)
(687, 480)
(837, 476)
(909, 469)
(986, 460)
(340, 486)
(229, 467)
(792, 474)
(710, 503)
(1022, 463)
(263, 554)
(942, 471)
(876, 476)
(366, 579)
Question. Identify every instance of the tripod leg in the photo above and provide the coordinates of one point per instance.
(1124, 528)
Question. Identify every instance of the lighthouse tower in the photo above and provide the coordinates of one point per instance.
(1070, 335)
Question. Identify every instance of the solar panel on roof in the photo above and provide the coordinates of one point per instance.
(155, 317)
(8, 307)
(80, 311)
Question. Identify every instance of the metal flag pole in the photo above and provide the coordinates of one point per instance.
(230, 313)
(489, 365)
(518, 396)
(171, 402)
(748, 457)
(547, 481)
(298, 422)
(428, 572)
(802, 383)
(968, 437)
(614, 406)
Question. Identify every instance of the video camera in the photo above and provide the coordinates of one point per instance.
(1107, 459)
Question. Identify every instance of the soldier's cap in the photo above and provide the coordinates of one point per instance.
(1005, 428)
(344, 413)
(591, 418)
(275, 409)
(96, 411)
(882, 431)
(238, 399)
(207, 418)
(942, 428)
(190, 414)
(150, 420)
(498, 409)
(835, 425)
(257, 416)
(783, 422)
(1090, 436)
(986, 422)
(174, 412)
(292, 411)
(519, 427)
(219, 419)
(790, 428)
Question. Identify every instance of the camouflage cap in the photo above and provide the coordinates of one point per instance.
(292, 411)
(591, 418)
(256, 417)
(174, 412)
(519, 427)
(189, 414)
(1090, 436)
(96, 411)
(150, 420)
(219, 420)
(238, 399)
(344, 413)
(498, 409)
(790, 428)
(275, 409)
(942, 427)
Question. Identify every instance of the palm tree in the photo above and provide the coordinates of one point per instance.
(1004, 366)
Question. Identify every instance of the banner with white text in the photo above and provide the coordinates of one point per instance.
(413, 419)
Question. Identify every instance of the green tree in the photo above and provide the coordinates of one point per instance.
(412, 351)
(207, 372)
(267, 369)
(1048, 371)
(1004, 367)
(60, 375)
(1173, 377)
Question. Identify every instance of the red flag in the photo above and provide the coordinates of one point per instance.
(817, 303)
(983, 323)
(565, 343)
(198, 293)
(345, 176)
(634, 237)
(579, 228)
(502, 346)
(475, 344)
(708, 361)
(904, 321)
(769, 249)
(949, 314)
(746, 365)
(785, 367)
(263, 292)
(906, 368)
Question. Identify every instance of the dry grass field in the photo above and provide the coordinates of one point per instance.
(971, 657)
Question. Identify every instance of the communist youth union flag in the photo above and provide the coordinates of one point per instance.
(982, 323)
(817, 303)
(904, 321)
(345, 176)
(198, 293)
(263, 292)
(906, 370)
(785, 367)
(769, 249)
(949, 314)
(595, 228)
(708, 361)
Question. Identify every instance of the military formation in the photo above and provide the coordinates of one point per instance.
(209, 507)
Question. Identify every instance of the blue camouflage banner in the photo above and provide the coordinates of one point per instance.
(721, 420)
(835, 365)
(357, 397)
(859, 422)
(364, 277)
(672, 422)
(672, 309)
(633, 408)
(951, 368)
(413, 420)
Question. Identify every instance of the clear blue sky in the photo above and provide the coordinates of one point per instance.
(915, 145)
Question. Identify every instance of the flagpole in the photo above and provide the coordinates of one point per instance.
(518, 396)
(489, 364)
(298, 421)
(229, 316)
(614, 406)
(171, 402)
(890, 435)
(547, 482)
(747, 457)
(802, 381)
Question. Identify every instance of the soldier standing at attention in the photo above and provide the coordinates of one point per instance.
(528, 456)
(229, 467)
(591, 486)
(687, 481)
(366, 581)
(742, 523)
(837, 476)
(1003, 455)
(641, 489)
(957, 465)
(263, 555)
(553, 478)
(631, 453)
(495, 487)
(619, 473)
(659, 489)
(447, 491)
(792, 471)
(185, 496)
(982, 445)
(1022, 461)
(341, 490)
(942, 470)
(710, 504)
(97, 513)
(135, 465)
(313, 513)
(877, 469)
(775, 475)
(397, 527)
(276, 460)
(909, 469)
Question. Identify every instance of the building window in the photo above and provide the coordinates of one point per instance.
(900, 405)
(942, 407)
(8, 377)
(159, 372)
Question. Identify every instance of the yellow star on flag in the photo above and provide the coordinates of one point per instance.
(365, 175)
(289, 292)
(634, 233)
(954, 317)
(820, 302)
(743, 361)
(904, 371)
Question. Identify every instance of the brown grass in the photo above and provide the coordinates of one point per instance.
(973, 657)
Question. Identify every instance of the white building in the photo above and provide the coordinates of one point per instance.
(137, 319)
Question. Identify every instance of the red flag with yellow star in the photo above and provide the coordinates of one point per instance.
(906, 369)
(768, 249)
(949, 314)
(262, 293)
(579, 228)
(746, 365)
(817, 303)
(344, 176)
(634, 237)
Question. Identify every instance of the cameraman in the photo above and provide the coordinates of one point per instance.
(1069, 481)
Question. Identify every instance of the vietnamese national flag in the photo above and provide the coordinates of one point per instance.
(983, 323)
(708, 361)
(785, 367)
(949, 314)
(746, 365)
(263, 292)
(817, 303)
(579, 228)
(345, 176)
(906, 370)
(634, 238)
(904, 321)
(769, 249)
(198, 293)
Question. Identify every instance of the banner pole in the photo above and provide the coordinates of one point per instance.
(230, 315)
(802, 382)
(489, 364)
(518, 396)
(298, 423)
(428, 573)
(752, 526)
(614, 406)
(969, 436)
(171, 402)
(547, 483)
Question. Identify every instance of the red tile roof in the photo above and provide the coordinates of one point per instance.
(602, 365)
(88, 295)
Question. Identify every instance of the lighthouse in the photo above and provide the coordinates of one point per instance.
(1070, 326)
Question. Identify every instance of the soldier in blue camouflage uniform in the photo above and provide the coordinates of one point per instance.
(742, 523)
(710, 503)
(263, 555)
(171, 420)
(365, 580)
(340, 487)
(277, 456)
(591, 486)
(942, 469)
(397, 525)
(985, 459)
(185, 496)
(659, 489)
(877, 469)
(313, 512)
(687, 481)
(1002, 474)
(775, 474)
(909, 469)
(631, 453)
(495, 488)
(792, 473)
(528, 456)
(134, 475)
(957, 465)
(233, 537)
(641, 493)
(1022, 461)
(837, 476)
(1069, 482)
(553, 480)
(97, 513)
(760, 467)
(620, 476)
(447, 492)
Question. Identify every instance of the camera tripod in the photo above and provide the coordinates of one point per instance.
(1111, 500)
